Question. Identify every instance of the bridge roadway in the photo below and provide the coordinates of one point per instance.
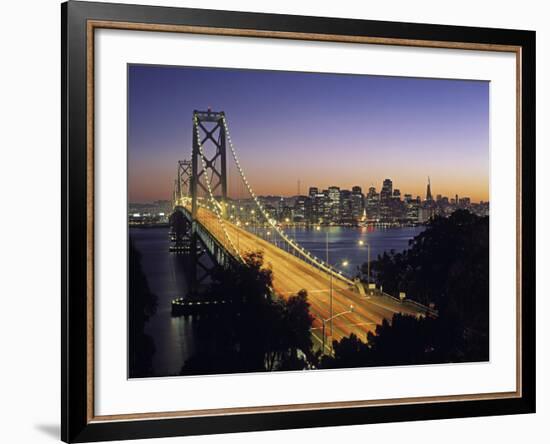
(292, 274)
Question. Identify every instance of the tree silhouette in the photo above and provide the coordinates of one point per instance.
(349, 352)
(447, 265)
(406, 340)
(259, 332)
(142, 304)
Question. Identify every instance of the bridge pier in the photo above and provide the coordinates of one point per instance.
(205, 252)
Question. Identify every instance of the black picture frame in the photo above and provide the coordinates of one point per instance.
(76, 423)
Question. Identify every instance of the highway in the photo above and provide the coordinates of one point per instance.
(291, 274)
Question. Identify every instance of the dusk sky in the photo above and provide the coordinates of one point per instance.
(319, 129)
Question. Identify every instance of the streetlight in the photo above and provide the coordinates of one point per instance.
(330, 319)
(361, 243)
(318, 228)
(331, 272)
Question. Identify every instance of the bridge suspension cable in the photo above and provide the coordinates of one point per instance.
(211, 195)
(292, 243)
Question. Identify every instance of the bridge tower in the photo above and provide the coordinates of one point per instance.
(175, 194)
(208, 163)
(209, 132)
(183, 186)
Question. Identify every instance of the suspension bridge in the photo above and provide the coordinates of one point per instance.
(337, 301)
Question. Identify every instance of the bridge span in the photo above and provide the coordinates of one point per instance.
(292, 274)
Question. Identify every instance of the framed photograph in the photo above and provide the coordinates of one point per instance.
(276, 221)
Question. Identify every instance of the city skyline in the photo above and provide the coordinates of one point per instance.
(304, 191)
(320, 129)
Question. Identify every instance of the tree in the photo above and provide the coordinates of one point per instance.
(447, 265)
(142, 304)
(349, 352)
(259, 331)
(406, 340)
(299, 321)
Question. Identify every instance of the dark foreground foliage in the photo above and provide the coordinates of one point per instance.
(142, 304)
(447, 265)
(258, 332)
(407, 340)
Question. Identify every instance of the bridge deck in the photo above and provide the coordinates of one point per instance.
(291, 274)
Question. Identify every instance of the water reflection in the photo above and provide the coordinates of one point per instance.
(346, 244)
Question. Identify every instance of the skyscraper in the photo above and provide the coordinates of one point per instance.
(281, 206)
(311, 207)
(412, 207)
(346, 206)
(387, 190)
(318, 207)
(429, 197)
(385, 200)
(357, 202)
(334, 203)
(326, 207)
(300, 205)
(372, 204)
